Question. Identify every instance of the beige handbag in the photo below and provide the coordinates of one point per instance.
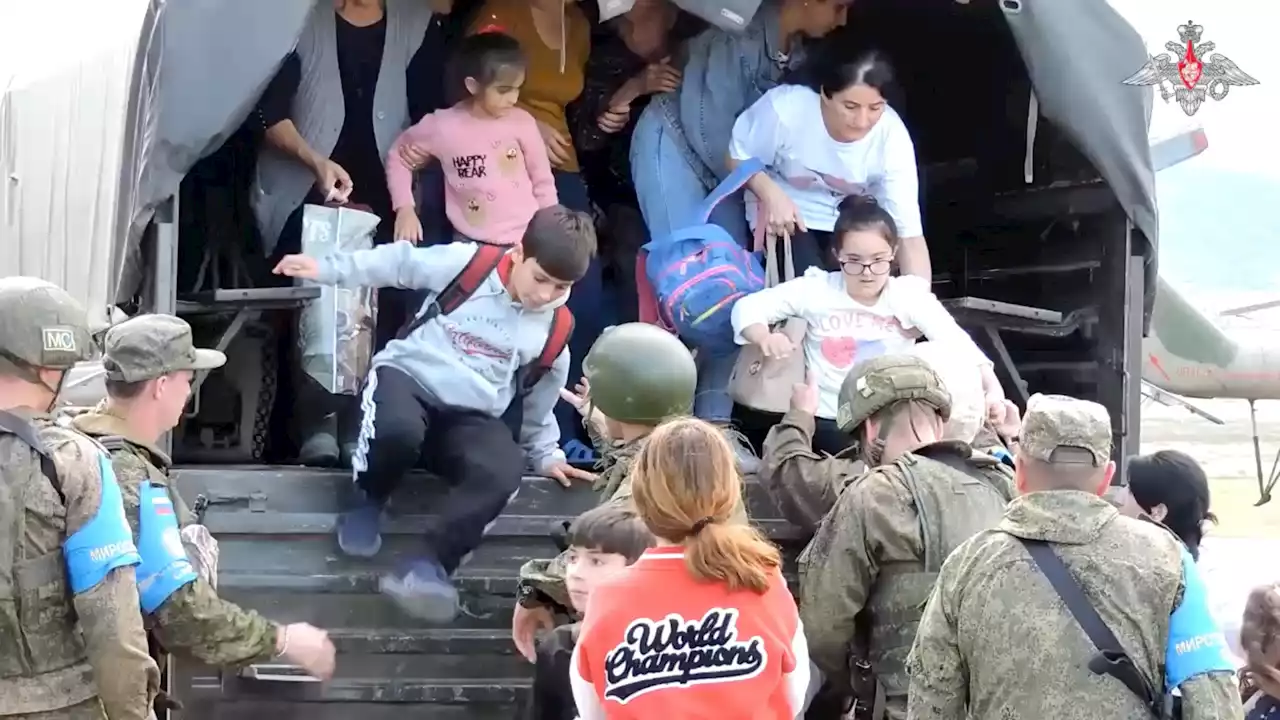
(761, 383)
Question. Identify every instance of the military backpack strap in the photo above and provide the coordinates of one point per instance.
(1111, 658)
(112, 443)
(557, 340)
(460, 288)
(27, 433)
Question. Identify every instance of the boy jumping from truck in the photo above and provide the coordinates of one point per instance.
(477, 374)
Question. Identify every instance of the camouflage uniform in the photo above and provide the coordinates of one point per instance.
(64, 655)
(193, 620)
(803, 483)
(872, 562)
(639, 375)
(997, 643)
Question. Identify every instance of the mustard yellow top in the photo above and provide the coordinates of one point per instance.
(547, 89)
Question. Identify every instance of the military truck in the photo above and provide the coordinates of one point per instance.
(1039, 192)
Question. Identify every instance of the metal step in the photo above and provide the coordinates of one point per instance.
(278, 556)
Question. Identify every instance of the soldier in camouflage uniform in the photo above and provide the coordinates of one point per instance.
(150, 361)
(72, 645)
(804, 484)
(637, 375)
(998, 643)
(872, 562)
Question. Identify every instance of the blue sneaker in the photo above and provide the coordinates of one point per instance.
(579, 454)
(424, 592)
(358, 529)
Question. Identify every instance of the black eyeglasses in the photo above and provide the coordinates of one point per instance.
(875, 267)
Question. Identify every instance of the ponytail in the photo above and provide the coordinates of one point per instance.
(686, 487)
(736, 555)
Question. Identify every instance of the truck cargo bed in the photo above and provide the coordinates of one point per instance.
(278, 555)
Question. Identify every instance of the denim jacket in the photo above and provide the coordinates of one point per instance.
(724, 74)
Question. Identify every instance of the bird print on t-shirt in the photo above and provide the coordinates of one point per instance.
(839, 187)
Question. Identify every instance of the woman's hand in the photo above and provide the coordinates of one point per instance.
(333, 181)
(781, 216)
(614, 119)
(776, 345)
(413, 157)
(408, 226)
(659, 77)
(558, 146)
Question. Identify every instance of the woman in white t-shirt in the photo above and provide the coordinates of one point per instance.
(824, 141)
(856, 313)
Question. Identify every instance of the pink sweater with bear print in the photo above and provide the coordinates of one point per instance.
(496, 171)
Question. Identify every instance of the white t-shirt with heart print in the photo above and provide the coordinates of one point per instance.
(843, 331)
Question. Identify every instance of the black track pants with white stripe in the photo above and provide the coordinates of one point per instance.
(476, 454)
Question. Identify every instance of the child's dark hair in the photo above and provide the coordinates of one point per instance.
(612, 528)
(861, 213)
(834, 69)
(562, 241)
(482, 57)
(1175, 480)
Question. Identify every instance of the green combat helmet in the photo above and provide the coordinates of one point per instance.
(875, 384)
(41, 326)
(640, 374)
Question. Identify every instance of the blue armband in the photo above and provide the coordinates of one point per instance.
(165, 567)
(1196, 643)
(1002, 455)
(105, 542)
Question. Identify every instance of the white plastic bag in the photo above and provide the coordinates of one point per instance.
(336, 330)
(963, 379)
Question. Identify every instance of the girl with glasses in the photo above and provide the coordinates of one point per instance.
(855, 313)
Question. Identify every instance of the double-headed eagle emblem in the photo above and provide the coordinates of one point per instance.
(1181, 74)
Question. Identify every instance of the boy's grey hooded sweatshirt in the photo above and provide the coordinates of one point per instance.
(469, 358)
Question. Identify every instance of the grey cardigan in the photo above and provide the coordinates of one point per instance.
(281, 182)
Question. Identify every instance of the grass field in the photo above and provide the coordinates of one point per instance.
(1226, 452)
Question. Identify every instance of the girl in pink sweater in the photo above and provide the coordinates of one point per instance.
(495, 162)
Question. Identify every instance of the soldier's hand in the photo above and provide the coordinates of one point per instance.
(309, 648)
(565, 474)
(579, 397)
(299, 266)
(804, 396)
(776, 345)
(525, 625)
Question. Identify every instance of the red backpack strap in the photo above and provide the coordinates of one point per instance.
(557, 340)
(645, 295)
(460, 288)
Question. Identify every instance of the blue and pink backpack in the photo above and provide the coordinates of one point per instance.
(689, 280)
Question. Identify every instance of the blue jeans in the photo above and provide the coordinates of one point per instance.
(669, 191)
(586, 301)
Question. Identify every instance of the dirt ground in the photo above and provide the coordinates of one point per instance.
(1226, 452)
